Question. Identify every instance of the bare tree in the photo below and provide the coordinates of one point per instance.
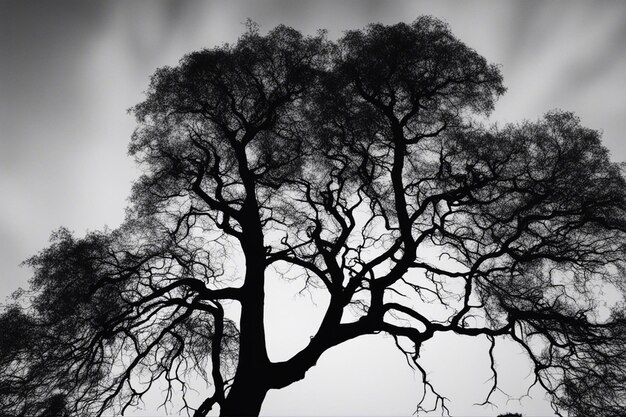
(359, 168)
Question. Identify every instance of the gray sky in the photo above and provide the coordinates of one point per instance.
(70, 69)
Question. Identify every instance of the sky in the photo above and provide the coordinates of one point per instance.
(69, 70)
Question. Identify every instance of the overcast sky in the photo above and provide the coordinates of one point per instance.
(70, 70)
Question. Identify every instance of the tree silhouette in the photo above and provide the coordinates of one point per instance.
(358, 168)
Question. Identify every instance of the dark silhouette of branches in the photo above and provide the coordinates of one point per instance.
(358, 166)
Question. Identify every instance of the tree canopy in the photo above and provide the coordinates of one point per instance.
(360, 168)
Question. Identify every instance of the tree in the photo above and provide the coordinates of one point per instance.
(357, 167)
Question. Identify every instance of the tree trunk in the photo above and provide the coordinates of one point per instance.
(250, 384)
(245, 397)
(251, 381)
